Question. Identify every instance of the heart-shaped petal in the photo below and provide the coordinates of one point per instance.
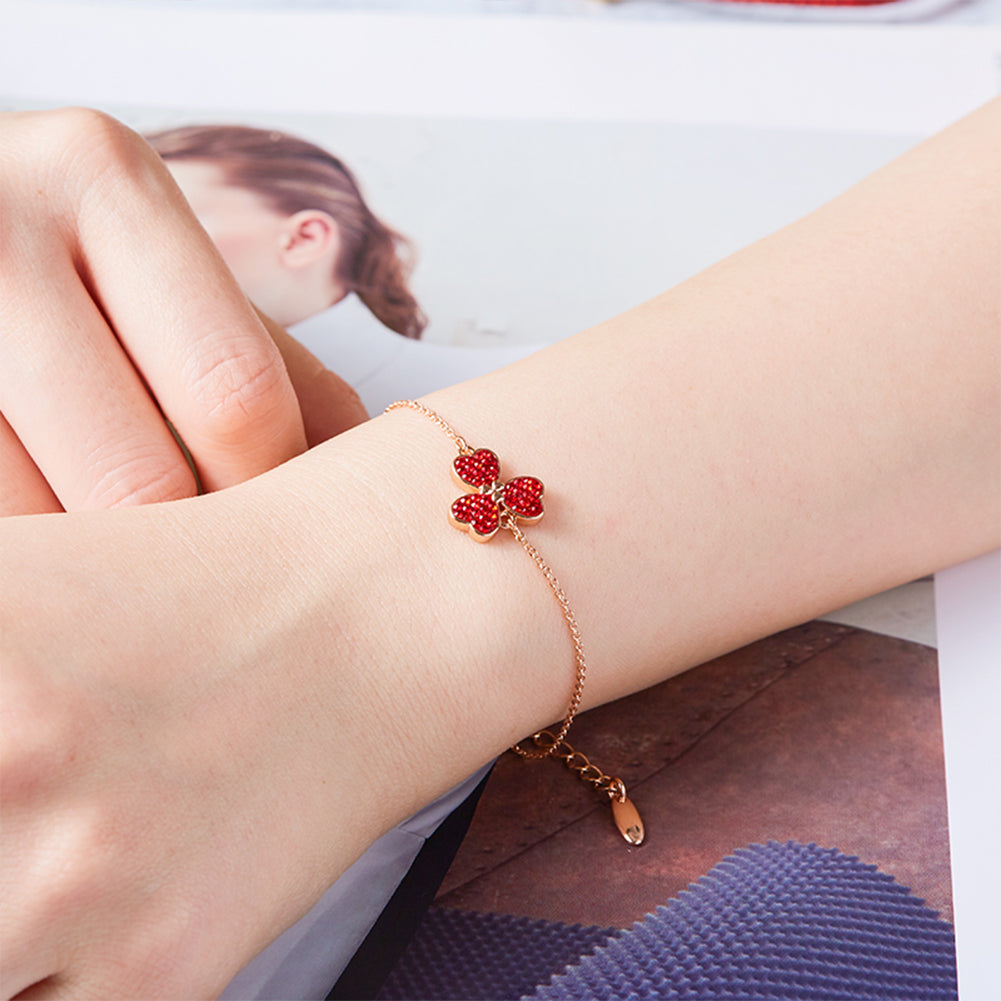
(478, 468)
(477, 513)
(523, 498)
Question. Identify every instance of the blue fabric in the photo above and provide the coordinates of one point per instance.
(775, 921)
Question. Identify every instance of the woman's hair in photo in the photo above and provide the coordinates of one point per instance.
(291, 175)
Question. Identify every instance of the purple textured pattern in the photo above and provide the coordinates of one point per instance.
(464, 956)
(776, 921)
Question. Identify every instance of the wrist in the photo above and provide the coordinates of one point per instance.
(451, 651)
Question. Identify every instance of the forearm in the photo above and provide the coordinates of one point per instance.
(811, 421)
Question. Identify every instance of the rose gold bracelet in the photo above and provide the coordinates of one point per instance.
(490, 505)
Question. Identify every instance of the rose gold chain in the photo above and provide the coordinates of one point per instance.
(549, 744)
(579, 762)
(578, 646)
(551, 580)
(435, 418)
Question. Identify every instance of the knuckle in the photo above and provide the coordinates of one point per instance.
(90, 155)
(240, 383)
(71, 859)
(85, 164)
(39, 742)
(69, 123)
(87, 135)
(92, 133)
(44, 144)
(71, 866)
(142, 476)
(53, 129)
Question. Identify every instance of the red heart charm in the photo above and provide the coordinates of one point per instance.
(523, 498)
(478, 513)
(494, 504)
(478, 469)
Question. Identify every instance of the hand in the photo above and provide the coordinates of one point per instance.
(189, 761)
(159, 824)
(117, 311)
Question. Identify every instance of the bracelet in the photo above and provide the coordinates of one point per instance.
(490, 505)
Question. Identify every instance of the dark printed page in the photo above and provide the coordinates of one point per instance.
(808, 764)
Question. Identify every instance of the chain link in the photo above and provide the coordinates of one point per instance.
(578, 646)
(547, 743)
(578, 762)
(551, 580)
(435, 418)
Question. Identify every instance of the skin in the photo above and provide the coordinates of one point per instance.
(189, 761)
(81, 425)
(285, 264)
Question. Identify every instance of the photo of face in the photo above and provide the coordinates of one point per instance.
(528, 231)
(291, 222)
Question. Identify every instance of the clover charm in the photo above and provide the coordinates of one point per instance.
(489, 504)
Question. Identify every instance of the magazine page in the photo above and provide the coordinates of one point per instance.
(537, 176)
(968, 601)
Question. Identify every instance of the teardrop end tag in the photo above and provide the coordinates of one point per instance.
(627, 820)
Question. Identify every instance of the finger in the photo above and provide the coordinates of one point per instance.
(23, 489)
(79, 408)
(192, 334)
(328, 404)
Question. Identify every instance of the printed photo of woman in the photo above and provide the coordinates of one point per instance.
(293, 225)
